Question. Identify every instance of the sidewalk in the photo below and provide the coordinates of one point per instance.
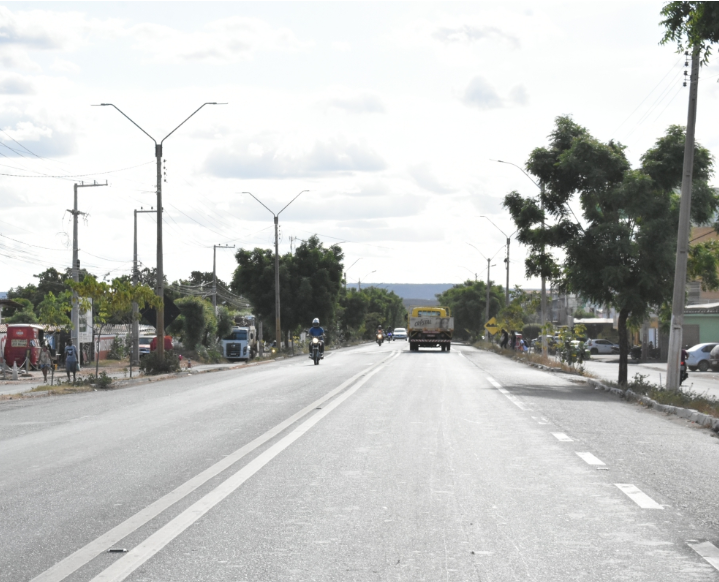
(607, 368)
(26, 384)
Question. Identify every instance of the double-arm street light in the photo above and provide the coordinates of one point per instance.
(160, 288)
(348, 269)
(544, 280)
(278, 332)
(486, 308)
(506, 291)
(359, 281)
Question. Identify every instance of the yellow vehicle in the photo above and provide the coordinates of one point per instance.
(430, 327)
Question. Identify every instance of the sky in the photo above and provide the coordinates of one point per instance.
(389, 114)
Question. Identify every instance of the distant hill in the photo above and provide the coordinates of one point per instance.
(421, 292)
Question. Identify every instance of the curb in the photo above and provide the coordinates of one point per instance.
(687, 413)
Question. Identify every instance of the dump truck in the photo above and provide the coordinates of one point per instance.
(430, 327)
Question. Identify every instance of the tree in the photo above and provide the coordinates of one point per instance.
(690, 25)
(621, 256)
(468, 302)
(24, 314)
(310, 281)
(225, 321)
(111, 299)
(56, 310)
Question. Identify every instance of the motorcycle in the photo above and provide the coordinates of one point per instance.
(380, 339)
(316, 350)
(683, 374)
(390, 336)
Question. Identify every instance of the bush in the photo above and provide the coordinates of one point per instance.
(117, 350)
(151, 364)
(531, 331)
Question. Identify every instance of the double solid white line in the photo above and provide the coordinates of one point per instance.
(140, 554)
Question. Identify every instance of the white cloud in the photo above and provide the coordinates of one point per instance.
(16, 85)
(230, 39)
(44, 137)
(480, 94)
(364, 103)
(424, 178)
(343, 47)
(467, 33)
(264, 157)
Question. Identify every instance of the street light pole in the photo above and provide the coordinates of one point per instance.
(348, 269)
(160, 286)
(506, 291)
(135, 281)
(214, 273)
(75, 314)
(359, 281)
(278, 331)
(543, 302)
(486, 307)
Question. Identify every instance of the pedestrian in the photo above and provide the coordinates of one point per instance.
(70, 360)
(505, 339)
(513, 341)
(44, 362)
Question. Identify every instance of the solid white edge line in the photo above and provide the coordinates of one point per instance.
(158, 540)
(590, 459)
(638, 496)
(513, 399)
(90, 551)
(708, 551)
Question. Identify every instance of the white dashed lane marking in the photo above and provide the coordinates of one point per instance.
(540, 420)
(637, 496)
(706, 550)
(513, 399)
(560, 436)
(590, 459)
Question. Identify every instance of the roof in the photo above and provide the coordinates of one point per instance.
(702, 308)
(595, 321)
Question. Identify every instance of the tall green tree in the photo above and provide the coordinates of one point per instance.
(619, 254)
(107, 300)
(468, 302)
(691, 24)
(310, 280)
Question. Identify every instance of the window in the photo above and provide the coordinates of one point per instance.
(239, 335)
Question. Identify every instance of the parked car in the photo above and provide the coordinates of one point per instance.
(601, 346)
(698, 356)
(143, 344)
(400, 333)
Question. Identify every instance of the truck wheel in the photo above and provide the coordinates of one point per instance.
(449, 346)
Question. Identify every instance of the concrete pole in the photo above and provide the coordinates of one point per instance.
(278, 332)
(506, 290)
(160, 287)
(135, 323)
(543, 301)
(486, 307)
(75, 316)
(680, 269)
(214, 278)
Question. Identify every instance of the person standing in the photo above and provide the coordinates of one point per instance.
(44, 362)
(70, 360)
(513, 340)
(505, 339)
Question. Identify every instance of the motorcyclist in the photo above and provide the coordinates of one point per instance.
(317, 331)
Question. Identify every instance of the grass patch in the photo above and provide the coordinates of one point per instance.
(681, 398)
(533, 358)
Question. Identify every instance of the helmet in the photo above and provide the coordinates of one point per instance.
(315, 322)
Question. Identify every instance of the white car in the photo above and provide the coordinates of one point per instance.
(699, 356)
(600, 346)
(400, 333)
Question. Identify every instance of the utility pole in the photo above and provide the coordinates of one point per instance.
(75, 315)
(506, 260)
(680, 269)
(214, 272)
(359, 281)
(160, 286)
(486, 308)
(135, 281)
(278, 330)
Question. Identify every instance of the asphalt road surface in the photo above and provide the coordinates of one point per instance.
(378, 464)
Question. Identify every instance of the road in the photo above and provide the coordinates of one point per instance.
(379, 464)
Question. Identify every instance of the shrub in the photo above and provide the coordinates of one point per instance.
(117, 350)
(151, 364)
(531, 331)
